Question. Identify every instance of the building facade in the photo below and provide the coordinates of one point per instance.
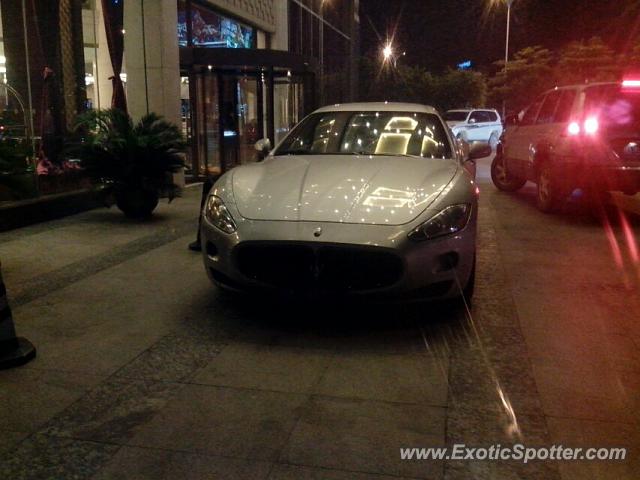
(229, 72)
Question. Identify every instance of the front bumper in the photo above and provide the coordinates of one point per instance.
(385, 266)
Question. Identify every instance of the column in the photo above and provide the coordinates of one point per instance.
(104, 70)
(151, 58)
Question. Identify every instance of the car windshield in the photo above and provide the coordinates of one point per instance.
(456, 116)
(369, 133)
(615, 107)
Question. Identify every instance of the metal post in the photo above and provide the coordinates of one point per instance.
(506, 55)
(144, 56)
(321, 54)
(14, 351)
(271, 129)
(96, 79)
(30, 99)
(506, 49)
(28, 65)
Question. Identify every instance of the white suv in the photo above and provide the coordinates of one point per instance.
(473, 125)
(581, 136)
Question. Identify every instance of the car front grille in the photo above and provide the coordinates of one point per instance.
(337, 268)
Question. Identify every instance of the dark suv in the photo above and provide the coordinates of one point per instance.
(581, 136)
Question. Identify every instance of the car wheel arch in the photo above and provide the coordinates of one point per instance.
(542, 155)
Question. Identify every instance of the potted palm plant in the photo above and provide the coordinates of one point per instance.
(17, 178)
(134, 160)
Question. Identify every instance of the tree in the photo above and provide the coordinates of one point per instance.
(528, 74)
(460, 88)
(404, 83)
(400, 83)
(631, 63)
(590, 61)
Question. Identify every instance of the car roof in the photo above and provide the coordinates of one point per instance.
(472, 110)
(378, 107)
(582, 86)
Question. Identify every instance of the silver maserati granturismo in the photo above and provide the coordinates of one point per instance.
(359, 199)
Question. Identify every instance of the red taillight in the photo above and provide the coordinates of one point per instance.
(573, 129)
(591, 126)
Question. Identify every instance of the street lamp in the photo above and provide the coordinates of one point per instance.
(388, 54)
(506, 46)
(321, 51)
(387, 51)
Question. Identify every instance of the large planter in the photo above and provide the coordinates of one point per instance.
(18, 186)
(136, 202)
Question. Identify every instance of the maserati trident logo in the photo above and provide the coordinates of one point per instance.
(317, 232)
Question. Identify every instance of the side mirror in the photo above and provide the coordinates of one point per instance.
(472, 120)
(263, 147)
(479, 150)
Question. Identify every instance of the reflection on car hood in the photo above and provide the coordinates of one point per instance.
(340, 188)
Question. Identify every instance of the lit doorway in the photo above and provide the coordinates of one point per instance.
(224, 113)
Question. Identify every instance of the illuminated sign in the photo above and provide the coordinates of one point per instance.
(466, 65)
(212, 30)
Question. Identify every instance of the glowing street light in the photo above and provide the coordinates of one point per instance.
(388, 54)
(387, 51)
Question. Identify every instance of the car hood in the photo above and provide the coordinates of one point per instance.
(340, 188)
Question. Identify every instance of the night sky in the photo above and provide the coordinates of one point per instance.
(441, 33)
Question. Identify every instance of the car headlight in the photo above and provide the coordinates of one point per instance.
(450, 220)
(218, 215)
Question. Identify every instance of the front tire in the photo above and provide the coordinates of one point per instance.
(549, 194)
(501, 178)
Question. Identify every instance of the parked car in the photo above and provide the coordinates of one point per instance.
(475, 125)
(358, 199)
(580, 136)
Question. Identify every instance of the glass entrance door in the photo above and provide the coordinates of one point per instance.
(202, 125)
(249, 124)
(288, 93)
(228, 111)
(241, 112)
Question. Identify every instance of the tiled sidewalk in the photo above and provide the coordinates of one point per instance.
(145, 372)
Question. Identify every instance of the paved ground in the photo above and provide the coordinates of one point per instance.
(143, 371)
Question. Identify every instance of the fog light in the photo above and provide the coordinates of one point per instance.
(447, 261)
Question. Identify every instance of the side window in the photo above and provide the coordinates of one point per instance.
(531, 114)
(493, 117)
(565, 106)
(548, 108)
(479, 117)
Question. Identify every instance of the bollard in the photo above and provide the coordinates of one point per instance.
(14, 351)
